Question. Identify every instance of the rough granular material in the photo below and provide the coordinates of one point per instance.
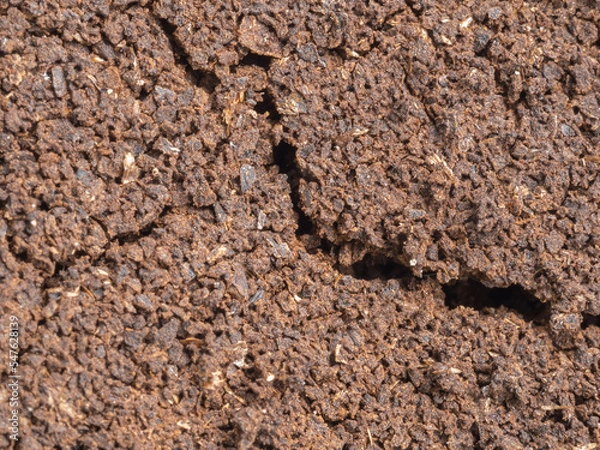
(308, 224)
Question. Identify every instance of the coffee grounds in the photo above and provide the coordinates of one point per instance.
(301, 224)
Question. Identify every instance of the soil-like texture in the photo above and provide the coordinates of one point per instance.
(301, 225)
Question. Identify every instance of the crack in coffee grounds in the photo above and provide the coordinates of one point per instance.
(312, 225)
(469, 293)
(201, 78)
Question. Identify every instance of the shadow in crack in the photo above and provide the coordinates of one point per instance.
(201, 78)
(589, 319)
(373, 267)
(267, 105)
(473, 294)
(469, 293)
(253, 59)
(284, 156)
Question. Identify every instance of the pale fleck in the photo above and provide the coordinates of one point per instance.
(73, 294)
(445, 40)
(216, 380)
(359, 131)
(465, 23)
(258, 295)
(261, 220)
(185, 425)
(130, 171)
(336, 355)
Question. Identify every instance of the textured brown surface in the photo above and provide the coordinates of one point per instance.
(302, 224)
(455, 159)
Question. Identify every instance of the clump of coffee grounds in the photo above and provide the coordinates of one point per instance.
(271, 225)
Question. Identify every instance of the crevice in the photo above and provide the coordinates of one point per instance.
(503, 86)
(590, 320)
(53, 280)
(267, 105)
(376, 266)
(202, 78)
(264, 440)
(476, 436)
(205, 79)
(370, 267)
(284, 156)
(554, 415)
(143, 95)
(473, 294)
(254, 59)
(144, 231)
(373, 267)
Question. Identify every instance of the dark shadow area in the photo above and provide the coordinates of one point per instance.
(267, 105)
(284, 156)
(373, 267)
(473, 294)
(476, 437)
(370, 267)
(204, 79)
(589, 319)
(253, 59)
